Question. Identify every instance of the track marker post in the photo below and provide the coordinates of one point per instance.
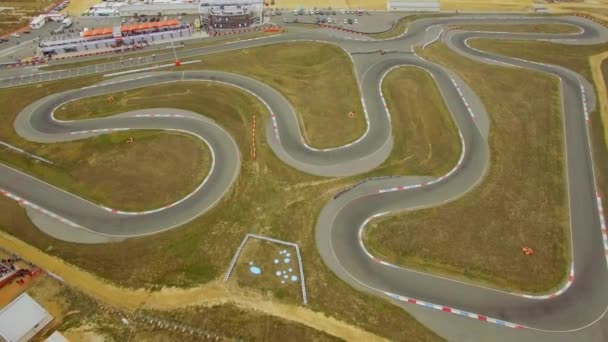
(253, 151)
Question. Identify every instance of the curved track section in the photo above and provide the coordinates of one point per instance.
(342, 220)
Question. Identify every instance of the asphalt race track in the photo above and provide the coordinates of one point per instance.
(456, 310)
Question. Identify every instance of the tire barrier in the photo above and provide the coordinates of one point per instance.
(340, 29)
(592, 18)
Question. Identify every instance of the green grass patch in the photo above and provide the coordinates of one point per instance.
(521, 202)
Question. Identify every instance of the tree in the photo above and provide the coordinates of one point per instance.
(272, 2)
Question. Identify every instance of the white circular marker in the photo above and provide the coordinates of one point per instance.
(278, 273)
(290, 270)
(286, 260)
(276, 261)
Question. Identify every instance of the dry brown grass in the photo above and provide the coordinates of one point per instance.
(200, 250)
(426, 139)
(263, 254)
(484, 5)
(17, 14)
(318, 80)
(521, 202)
(261, 201)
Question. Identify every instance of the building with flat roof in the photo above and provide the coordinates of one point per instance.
(56, 337)
(22, 319)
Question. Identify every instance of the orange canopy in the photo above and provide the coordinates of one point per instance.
(147, 26)
(98, 32)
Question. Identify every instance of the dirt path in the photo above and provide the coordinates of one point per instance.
(600, 84)
(174, 298)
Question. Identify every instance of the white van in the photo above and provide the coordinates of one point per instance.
(67, 22)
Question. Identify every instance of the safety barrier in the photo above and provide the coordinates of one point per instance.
(592, 18)
(251, 29)
(340, 29)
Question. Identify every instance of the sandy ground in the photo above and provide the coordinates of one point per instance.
(598, 9)
(166, 299)
(337, 4)
(600, 84)
(485, 5)
(77, 7)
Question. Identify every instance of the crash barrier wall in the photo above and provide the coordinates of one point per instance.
(262, 237)
(23, 63)
(250, 29)
(592, 18)
(339, 29)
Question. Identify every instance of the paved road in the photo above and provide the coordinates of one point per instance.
(577, 313)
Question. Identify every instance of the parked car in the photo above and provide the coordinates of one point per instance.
(16, 35)
(356, 21)
(345, 21)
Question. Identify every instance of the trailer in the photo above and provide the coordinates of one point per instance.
(38, 22)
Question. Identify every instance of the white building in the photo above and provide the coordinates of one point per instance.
(22, 319)
(38, 22)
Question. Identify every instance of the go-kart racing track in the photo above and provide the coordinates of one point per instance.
(459, 311)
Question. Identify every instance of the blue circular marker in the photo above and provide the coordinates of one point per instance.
(294, 278)
(255, 270)
(286, 260)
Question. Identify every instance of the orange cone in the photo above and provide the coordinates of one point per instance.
(527, 250)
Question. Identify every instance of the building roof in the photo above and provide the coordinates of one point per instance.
(56, 337)
(20, 316)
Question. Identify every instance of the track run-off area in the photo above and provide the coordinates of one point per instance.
(452, 308)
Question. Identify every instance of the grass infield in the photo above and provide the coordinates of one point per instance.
(479, 237)
(262, 200)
